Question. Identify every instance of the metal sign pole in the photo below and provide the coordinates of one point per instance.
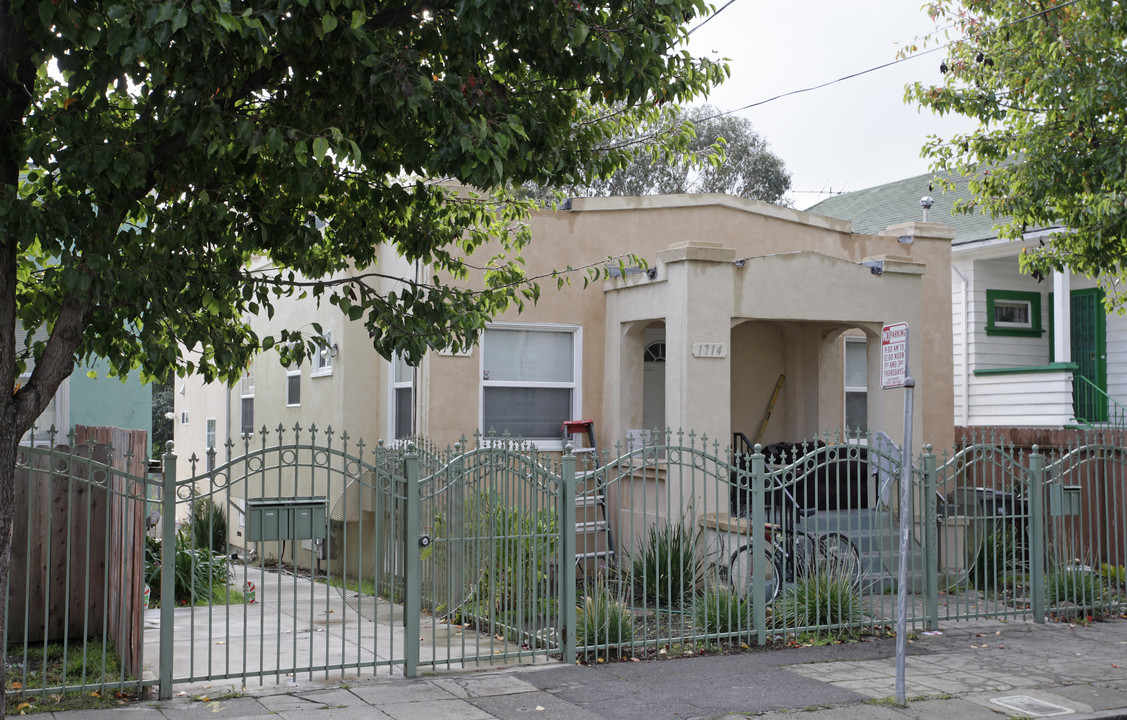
(894, 342)
(905, 541)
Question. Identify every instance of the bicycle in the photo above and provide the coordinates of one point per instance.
(792, 555)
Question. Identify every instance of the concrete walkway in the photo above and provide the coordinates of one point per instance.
(296, 623)
(969, 671)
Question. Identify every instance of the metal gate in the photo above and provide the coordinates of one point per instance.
(316, 582)
(350, 559)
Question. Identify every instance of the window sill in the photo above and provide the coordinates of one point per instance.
(1015, 332)
(321, 374)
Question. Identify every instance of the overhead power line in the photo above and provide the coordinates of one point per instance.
(705, 21)
(913, 56)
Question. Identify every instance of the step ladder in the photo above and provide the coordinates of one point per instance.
(591, 520)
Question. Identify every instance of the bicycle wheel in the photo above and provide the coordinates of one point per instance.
(742, 567)
(840, 556)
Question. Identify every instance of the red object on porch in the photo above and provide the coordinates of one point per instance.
(576, 427)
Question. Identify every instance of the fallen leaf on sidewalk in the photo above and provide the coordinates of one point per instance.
(1115, 666)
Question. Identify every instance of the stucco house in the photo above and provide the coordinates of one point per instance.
(737, 294)
(1021, 358)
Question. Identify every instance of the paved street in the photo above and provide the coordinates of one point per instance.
(969, 671)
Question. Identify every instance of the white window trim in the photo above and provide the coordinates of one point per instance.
(244, 394)
(846, 388)
(1028, 305)
(210, 439)
(323, 363)
(576, 384)
(292, 372)
(391, 405)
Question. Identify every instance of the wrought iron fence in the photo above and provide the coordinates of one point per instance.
(492, 552)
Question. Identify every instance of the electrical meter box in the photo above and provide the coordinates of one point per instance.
(292, 518)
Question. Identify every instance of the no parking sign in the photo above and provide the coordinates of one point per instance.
(893, 355)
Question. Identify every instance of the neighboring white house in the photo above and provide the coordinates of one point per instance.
(1022, 359)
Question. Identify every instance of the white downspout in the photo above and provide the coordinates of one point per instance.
(965, 414)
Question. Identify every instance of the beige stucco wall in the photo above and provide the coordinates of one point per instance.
(826, 282)
(781, 310)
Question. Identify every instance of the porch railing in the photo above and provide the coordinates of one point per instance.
(1094, 407)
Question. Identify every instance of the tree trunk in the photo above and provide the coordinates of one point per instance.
(9, 444)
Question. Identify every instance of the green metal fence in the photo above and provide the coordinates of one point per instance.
(356, 559)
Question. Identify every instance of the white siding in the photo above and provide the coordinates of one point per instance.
(958, 324)
(1117, 357)
(997, 351)
(1041, 399)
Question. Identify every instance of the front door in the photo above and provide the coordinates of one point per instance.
(1089, 352)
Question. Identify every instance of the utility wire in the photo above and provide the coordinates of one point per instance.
(705, 21)
(875, 68)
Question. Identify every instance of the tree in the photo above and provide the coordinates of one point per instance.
(1048, 81)
(724, 155)
(149, 149)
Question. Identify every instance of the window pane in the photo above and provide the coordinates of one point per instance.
(247, 425)
(529, 356)
(856, 365)
(293, 389)
(530, 413)
(1015, 313)
(857, 411)
(403, 407)
(402, 370)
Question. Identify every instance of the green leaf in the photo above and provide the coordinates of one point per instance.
(328, 23)
(320, 147)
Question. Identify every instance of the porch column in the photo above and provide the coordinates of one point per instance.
(1062, 317)
(698, 339)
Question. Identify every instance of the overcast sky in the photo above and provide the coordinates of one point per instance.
(851, 135)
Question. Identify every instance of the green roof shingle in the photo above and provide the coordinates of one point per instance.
(872, 210)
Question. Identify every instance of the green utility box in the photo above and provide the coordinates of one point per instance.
(1064, 500)
(294, 518)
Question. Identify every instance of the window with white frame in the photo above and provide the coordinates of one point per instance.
(209, 442)
(246, 397)
(293, 386)
(402, 398)
(530, 381)
(856, 384)
(323, 357)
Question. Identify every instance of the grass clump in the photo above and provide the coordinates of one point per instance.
(666, 568)
(1078, 586)
(81, 662)
(824, 597)
(721, 610)
(1001, 555)
(603, 620)
(208, 525)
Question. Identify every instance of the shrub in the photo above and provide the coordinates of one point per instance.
(667, 567)
(825, 597)
(722, 611)
(517, 549)
(1001, 554)
(209, 525)
(198, 571)
(603, 619)
(1075, 584)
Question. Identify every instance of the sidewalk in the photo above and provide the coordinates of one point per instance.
(970, 671)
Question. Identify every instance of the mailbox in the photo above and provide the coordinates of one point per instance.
(1064, 500)
(294, 518)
